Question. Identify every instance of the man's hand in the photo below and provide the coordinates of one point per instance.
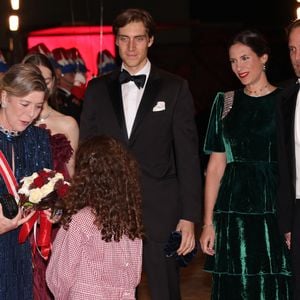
(288, 239)
(187, 230)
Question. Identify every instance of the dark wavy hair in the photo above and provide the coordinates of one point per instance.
(106, 179)
(254, 40)
(134, 15)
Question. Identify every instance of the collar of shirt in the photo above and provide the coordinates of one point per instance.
(131, 97)
(144, 71)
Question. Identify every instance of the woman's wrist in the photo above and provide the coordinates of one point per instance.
(207, 225)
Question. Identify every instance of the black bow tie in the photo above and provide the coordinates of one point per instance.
(125, 77)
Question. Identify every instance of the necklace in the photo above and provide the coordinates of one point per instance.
(9, 133)
(45, 117)
(257, 93)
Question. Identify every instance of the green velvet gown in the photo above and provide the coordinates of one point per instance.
(251, 259)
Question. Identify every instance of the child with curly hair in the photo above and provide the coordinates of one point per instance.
(97, 253)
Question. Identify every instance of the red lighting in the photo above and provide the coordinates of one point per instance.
(89, 40)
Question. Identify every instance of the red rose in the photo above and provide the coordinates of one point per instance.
(39, 182)
(62, 190)
(43, 174)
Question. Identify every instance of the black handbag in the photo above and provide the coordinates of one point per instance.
(173, 244)
(9, 206)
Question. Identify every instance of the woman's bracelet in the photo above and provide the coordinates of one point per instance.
(207, 225)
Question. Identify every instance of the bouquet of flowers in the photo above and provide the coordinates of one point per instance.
(42, 190)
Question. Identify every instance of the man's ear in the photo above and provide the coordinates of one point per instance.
(116, 42)
(265, 58)
(151, 41)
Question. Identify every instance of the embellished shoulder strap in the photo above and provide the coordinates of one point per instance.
(228, 102)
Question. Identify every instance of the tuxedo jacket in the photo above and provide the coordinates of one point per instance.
(286, 155)
(163, 140)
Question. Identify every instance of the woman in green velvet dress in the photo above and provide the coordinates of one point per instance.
(247, 256)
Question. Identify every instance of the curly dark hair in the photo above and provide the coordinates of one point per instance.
(107, 180)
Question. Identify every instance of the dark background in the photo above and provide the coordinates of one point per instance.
(191, 40)
(45, 13)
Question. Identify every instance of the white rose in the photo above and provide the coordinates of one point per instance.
(57, 177)
(47, 188)
(24, 190)
(35, 196)
(26, 182)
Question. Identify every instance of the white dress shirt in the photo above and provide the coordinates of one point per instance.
(297, 145)
(132, 97)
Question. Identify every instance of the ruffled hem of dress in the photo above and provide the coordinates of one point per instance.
(260, 287)
(248, 244)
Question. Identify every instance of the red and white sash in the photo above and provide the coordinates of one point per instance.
(8, 176)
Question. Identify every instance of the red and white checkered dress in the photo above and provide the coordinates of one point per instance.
(84, 267)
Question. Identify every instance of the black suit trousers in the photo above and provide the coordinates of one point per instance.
(162, 273)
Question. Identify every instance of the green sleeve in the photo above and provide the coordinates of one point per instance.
(214, 134)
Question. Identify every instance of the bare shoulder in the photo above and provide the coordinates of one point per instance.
(60, 123)
(69, 122)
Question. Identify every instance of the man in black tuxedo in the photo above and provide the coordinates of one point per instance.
(152, 112)
(289, 158)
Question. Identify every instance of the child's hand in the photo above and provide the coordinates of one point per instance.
(53, 216)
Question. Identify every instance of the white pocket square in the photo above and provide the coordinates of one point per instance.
(160, 105)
